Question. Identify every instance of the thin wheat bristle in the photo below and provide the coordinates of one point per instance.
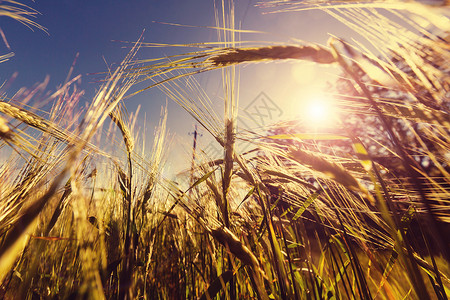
(313, 53)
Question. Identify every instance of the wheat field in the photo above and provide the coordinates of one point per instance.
(361, 211)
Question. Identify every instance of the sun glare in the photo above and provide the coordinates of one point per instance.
(318, 110)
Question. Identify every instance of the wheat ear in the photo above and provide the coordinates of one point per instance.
(233, 56)
(24, 116)
(126, 134)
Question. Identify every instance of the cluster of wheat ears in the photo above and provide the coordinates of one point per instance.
(361, 212)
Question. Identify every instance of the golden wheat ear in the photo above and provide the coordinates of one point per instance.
(233, 56)
(117, 117)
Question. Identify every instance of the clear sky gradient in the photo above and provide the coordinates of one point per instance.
(93, 28)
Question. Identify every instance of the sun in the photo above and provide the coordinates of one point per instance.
(318, 110)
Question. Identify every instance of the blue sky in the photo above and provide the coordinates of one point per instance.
(89, 27)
